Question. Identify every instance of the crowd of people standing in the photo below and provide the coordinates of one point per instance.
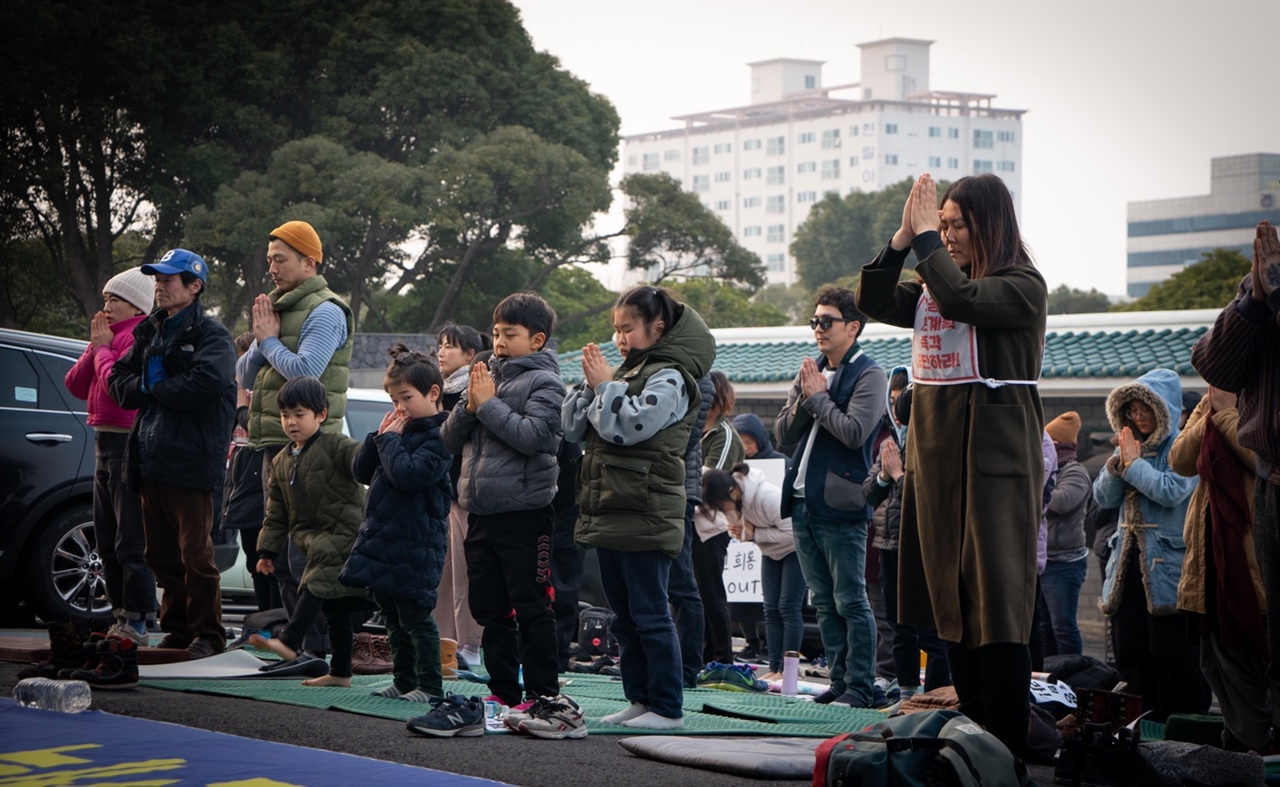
(462, 516)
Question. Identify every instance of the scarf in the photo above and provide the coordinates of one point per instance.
(1066, 453)
(1234, 603)
(457, 382)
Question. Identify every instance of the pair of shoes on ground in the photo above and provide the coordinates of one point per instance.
(594, 667)
(638, 716)
(850, 700)
(305, 664)
(370, 654)
(731, 677)
(111, 663)
(749, 653)
(455, 716)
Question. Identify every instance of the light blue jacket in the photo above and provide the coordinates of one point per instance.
(1151, 497)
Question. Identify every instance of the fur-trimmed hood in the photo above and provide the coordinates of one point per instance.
(1159, 389)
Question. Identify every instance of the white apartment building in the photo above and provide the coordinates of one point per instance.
(1166, 235)
(761, 167)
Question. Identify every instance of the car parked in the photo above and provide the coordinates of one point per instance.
(48, 553)
(365, 409)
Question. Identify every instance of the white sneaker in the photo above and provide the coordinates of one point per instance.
(556, 718)
(125, 630)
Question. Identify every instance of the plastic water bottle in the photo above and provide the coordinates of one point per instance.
(790, 672)
(67, 696)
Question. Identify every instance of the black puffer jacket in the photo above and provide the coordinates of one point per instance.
(400, 550)
(184, 422)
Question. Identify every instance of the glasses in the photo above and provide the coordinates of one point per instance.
(825, 321)
(1133, 412)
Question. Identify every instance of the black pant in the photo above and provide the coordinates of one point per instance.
(337, 613)
(266, 591)
(708, 569)
(1153, 655)
(686, 605)
(117, 525)
(509, 590)
(991, 682)
(566, 578)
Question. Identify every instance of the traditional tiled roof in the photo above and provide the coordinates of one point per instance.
(1074, 348)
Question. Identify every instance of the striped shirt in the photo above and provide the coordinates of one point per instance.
(1242, 354)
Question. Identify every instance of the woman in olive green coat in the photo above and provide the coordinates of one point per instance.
(972, 496)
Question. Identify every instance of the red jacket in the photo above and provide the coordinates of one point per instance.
(87, 380)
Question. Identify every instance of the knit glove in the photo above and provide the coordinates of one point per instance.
(155, 373)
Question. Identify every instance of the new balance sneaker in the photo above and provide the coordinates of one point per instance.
(555, 718)
(454, 716)
(732, 677)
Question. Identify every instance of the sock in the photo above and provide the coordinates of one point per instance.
(139, 625)
(417, 695)
(632, 711)
(389, 692)
(652, 721)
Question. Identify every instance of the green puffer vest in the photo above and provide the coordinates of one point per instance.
(632, 498)
(321, 511)
(294, 307)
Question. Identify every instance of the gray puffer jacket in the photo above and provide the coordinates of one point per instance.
(509, 444)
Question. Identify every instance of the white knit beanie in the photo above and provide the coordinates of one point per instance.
(133, 286)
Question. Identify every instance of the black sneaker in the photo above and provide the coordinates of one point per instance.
(454, 716)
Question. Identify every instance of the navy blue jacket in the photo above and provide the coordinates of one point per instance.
(401, 547)
(847, 418)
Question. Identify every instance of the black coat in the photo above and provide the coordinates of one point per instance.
(401, 547)
(183, 428)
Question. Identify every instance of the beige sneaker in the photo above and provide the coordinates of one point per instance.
(125, 630)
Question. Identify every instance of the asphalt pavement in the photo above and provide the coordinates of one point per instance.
(513, 759)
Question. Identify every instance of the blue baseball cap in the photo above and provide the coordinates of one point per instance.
(179, 261)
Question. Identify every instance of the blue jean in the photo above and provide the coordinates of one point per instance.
(784, 589)
(686, 605)
(635, 585)
(833, 557)
(1060, 583)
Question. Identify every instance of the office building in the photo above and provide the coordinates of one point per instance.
(761, 167)
(1166, 235)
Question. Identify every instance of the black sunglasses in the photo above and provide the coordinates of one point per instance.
(825, 321)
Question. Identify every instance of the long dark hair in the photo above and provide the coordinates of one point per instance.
(987, 209)
(652, 304)
(717, 486)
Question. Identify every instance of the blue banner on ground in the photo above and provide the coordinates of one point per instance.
(47, 748)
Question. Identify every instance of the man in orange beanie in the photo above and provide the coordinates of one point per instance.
(300, 328)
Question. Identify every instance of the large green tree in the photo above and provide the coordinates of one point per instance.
(841, 234)
(1068, 300)
(1207, 284)
(121, 119)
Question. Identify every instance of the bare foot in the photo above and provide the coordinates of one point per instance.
(274, 645)
(328, 680)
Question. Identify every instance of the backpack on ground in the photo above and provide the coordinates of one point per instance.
(595, 632)
(939, 747)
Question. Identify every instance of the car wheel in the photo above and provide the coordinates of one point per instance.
(65, 576)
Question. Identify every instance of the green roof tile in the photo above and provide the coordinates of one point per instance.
(1067, 354)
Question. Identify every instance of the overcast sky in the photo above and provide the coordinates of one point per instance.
(1126, 100)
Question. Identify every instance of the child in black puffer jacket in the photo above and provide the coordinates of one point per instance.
(401, 548)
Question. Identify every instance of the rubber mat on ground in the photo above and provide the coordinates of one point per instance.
(790, 719)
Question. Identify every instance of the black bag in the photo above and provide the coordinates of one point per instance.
(938, 747)
(595, 632)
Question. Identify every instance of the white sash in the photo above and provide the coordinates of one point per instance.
(945, 352)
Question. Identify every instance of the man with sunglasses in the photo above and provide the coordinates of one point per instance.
(829, 424)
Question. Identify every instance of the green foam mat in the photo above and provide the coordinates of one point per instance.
(598, 695)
